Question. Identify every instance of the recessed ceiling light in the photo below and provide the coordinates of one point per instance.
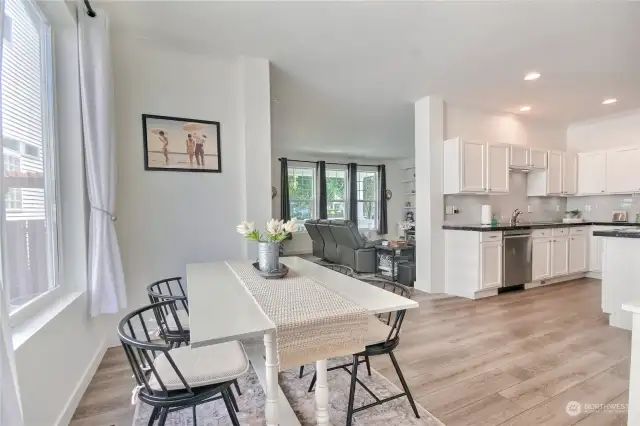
(609, 101)
(533, 75)
(525, 108)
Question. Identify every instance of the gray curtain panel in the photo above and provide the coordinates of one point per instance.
(285, 207)
(382, 204)
(352, 194)
(321, 189)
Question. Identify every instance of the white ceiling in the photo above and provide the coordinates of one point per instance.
(375, 59)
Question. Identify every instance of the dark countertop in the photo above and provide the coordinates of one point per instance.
(535, 225)
(616, 233)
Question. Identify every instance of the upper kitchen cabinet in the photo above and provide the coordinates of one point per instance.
(519, 157)
(498, 168)
(464, 166)
(622, 170)
(592, 168)
(537, 159)
(569, 173)
(524, 158)
(475, 167)
(558, 179)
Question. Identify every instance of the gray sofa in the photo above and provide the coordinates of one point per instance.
(339, 241)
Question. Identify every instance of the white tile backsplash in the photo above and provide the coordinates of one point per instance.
(602, 206)
(542, 208)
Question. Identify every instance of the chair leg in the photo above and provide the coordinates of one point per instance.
(313, 382)
(366, 360)
(235, 383)
(404, 383)
(164, 412)
(195, 419)
(352, 390)
(153, 416)
(301, 371)
(230, 410)
(233, 400)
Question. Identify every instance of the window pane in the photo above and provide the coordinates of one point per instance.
(301, 193)
(29, 253)
(336, 193)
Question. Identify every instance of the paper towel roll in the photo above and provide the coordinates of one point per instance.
(486, 214)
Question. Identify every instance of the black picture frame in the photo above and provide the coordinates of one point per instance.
(175, 167)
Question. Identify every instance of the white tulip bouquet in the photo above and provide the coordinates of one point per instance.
(277, 231)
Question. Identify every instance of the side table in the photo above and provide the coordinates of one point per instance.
(389, 270)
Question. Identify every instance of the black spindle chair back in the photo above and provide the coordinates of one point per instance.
(141, 350)
(394, 319)
(169, 289)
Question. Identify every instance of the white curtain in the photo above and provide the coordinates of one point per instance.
(106, 278)
(10, 407)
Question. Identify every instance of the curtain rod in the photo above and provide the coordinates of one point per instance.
(90, 10)
(326, 162)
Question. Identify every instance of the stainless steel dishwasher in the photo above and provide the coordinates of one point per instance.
(516, 257)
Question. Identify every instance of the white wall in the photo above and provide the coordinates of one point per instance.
(169, 219)
(503, 128)
(606, 132)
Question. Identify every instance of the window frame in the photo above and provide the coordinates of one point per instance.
(313, 198)
(342, 170)
(51, 192)
(374, 201)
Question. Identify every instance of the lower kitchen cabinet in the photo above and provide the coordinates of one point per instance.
(559, 256)
(578, 254)
(490, 265)
(540, 259)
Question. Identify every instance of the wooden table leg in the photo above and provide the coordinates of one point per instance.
(322, 393)
(271, 364)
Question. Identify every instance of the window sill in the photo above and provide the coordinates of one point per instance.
(26, 330)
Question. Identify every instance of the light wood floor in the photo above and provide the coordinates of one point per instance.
(515, 359)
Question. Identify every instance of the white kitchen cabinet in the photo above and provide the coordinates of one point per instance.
(519, 157)
(592, 167)
(537, 159)
(490, 265)
(623, 171)
(569, 176)
(498, 168)
(559, 256)
(554, 173)
(464, 166)
(540, 259)
(578, 254)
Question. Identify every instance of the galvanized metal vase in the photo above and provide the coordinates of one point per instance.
(268, 256)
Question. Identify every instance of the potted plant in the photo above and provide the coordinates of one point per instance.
(269, 241)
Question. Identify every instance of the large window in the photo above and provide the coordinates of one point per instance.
(336, 194)
(367, 199)
(302, 193)
(29, 250)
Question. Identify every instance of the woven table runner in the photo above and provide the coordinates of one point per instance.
(312, 322)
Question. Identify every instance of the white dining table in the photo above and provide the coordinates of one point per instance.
(221, 309)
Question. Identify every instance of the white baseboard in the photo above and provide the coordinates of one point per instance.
(70, 407)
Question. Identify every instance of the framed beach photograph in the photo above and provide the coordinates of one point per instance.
(181, 144)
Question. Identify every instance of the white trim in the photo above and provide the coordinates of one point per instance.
(81, 386)
(33, 307)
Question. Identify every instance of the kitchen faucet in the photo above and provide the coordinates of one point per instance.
(515, 216)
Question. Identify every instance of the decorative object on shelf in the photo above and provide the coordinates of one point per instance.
(181, 144)
(274, 192)
(619, 216)
(269, 244)
(409, 216)
(388, 194)
(407, 203)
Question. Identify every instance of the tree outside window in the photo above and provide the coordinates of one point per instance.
(301, 193)
(336, 194)
(367, 199)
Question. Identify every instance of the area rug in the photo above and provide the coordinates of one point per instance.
(251, 403)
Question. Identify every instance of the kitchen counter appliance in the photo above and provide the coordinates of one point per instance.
(516, 257)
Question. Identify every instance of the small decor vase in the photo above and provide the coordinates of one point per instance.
(268, 256)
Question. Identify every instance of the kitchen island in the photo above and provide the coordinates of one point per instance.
(620, 274)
